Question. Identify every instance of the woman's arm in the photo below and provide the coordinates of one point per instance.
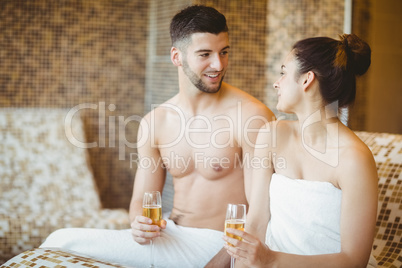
(259, 214)
(258, 199)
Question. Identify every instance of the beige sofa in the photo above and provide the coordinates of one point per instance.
(46, 184)
(45, 180)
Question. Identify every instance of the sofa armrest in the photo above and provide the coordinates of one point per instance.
(387, 151)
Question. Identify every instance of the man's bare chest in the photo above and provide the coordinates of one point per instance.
(208, 151)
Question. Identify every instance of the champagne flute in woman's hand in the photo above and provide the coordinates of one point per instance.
(152, 208)
(235, 219)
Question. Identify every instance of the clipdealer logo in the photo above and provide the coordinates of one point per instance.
(122, 124)
(232, 127)
(326, 155)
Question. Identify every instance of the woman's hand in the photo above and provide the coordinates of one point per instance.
(250, 251)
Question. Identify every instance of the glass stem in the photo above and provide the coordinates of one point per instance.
(232, 262)
(152, 255)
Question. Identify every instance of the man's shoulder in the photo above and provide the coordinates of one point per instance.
(160, 111)
(250, 105)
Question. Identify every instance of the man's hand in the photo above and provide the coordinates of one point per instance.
(143, 230)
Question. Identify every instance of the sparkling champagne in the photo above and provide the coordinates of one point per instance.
(234, 224)
(154, 213)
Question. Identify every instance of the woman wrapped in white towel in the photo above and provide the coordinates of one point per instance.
(314, 189)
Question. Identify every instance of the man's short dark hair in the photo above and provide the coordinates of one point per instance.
(196, 19)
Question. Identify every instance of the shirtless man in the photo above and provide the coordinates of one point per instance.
(204, 135)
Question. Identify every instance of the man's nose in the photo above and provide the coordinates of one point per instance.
(217, 63)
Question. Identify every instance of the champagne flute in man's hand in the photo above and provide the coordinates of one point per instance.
(235, 219)
(152, 208)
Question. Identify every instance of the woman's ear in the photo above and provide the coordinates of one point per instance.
(307, 80)
(175, 56)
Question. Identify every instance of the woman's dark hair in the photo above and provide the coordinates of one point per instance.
(196, 19)
(335, 64)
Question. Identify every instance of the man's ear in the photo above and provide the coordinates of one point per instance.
(307, 80)
(175, 56)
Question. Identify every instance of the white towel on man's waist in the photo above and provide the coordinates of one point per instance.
(178, 246)
(305, 216)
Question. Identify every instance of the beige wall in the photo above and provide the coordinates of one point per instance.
(59, 54)
(384, 100)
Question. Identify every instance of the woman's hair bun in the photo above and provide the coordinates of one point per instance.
(358, 53)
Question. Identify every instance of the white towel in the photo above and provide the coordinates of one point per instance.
(305, 217)
(177, 247)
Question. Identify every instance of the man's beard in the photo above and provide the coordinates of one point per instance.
(197, 82)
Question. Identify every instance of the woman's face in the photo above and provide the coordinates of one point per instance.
(288, 86)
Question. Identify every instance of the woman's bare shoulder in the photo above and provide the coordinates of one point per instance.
(356, 161)
(277, 130)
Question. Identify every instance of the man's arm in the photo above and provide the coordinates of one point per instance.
(147, 178)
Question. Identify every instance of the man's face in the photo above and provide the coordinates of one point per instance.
(205, 61)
